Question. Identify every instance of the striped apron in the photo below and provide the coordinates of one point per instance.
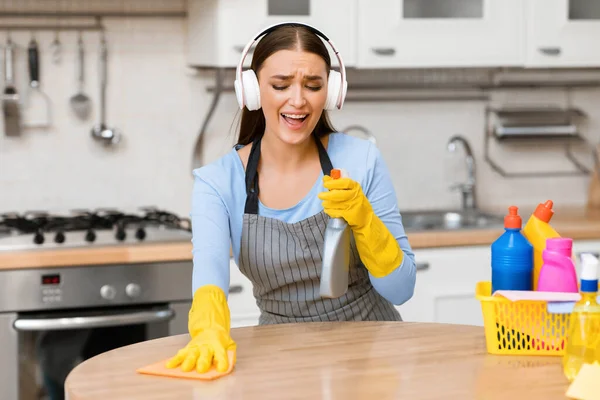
(283, 262)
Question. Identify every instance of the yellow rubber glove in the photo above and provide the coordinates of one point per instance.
(209, 326)
(378, 249)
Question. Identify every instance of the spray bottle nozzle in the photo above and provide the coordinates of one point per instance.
(337, 173)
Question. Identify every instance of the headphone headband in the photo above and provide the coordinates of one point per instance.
(270, 29)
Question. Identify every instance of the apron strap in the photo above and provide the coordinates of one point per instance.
(251, 206)
(323, 157)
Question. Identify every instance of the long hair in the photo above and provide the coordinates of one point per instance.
(288, 37)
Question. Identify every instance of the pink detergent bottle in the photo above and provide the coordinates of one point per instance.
(558, 272)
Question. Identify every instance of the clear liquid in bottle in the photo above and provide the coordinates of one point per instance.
(583, 337)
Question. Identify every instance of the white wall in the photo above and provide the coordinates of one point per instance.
(160, 106)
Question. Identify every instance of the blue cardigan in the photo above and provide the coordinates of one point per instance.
(219, 197)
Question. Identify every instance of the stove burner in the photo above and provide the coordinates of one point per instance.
(40, 224)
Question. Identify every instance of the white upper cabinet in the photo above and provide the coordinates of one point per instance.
(440, 33)
(563, 33)
(218, 30)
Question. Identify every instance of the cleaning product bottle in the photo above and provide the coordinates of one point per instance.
(512, 256)
(537, 230)
(583, 337)
(336, 254)
(558, 272)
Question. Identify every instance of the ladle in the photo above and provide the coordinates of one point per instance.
(101, 131)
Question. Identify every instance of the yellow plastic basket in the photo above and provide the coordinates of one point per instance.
(521, 327)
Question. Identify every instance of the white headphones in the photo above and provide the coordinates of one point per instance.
(246, 83)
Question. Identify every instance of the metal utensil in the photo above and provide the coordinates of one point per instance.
(37, 113)
(56, 48)
(101, 131)
(80, 102)
(10, 98)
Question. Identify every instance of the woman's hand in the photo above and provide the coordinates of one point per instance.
(208, 348)
(209, 325)
(345, 199)
(377, 247)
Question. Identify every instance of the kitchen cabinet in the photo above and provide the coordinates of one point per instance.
(584, 246)
(242, 304)
(563, 33)
(440, 33)
(219, 30)
(446, 280)
(445, 287)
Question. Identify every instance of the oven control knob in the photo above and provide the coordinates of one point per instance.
(108, 292)
(133, 290)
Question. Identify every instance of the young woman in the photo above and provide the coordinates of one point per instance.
(275, 224)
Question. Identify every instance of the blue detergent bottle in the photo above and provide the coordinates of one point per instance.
(512, 256)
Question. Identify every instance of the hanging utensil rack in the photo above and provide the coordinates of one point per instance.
(96, 10)
(542, 126)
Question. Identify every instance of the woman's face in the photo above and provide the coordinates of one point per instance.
(293, 91)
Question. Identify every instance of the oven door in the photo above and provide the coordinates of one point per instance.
(50, 344)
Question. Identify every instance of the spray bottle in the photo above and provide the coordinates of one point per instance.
(583, 338)
(336, 253)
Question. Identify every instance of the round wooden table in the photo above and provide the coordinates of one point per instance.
(331, 361)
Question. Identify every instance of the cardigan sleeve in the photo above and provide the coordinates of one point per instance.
(398, 286)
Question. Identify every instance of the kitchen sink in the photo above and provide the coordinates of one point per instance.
(450, 220)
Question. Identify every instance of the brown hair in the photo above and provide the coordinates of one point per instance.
(288, 37)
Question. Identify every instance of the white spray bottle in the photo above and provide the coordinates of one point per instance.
(336, 253)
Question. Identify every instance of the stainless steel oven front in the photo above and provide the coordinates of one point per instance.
(51, 319)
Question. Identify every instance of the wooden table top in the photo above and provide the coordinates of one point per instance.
(330, 361)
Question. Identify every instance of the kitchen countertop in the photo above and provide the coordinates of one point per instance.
(576, 223)
(332, 360)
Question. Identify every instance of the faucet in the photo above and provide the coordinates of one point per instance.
(469, 199)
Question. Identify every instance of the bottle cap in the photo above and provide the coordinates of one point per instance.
(589, 273)
(559, 243)
(512, 220)
(544, 211)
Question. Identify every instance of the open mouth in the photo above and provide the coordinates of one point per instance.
(294, 120)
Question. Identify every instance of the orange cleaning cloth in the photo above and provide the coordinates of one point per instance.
(159, 369)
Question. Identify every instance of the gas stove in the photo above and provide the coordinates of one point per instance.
(87, 228)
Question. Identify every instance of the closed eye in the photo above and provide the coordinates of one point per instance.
(313, 88)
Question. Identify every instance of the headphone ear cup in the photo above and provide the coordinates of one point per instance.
(251, 90)
(237, 85)
(334, 85)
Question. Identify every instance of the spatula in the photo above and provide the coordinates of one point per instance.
(10, 98)
(37, 113)
(80, 102)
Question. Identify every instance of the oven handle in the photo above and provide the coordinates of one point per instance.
(50, 324)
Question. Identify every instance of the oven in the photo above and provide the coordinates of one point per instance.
(51, 319)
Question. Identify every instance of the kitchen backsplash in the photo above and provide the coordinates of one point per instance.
(160, 105)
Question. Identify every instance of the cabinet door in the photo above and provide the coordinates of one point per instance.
(439, 33)
(445, 287)
(584, 246)
(241, 301)
(220, 29)
(563, 33)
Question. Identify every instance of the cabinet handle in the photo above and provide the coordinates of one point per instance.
(235, 289)
(550, 51)
(422, 266)
(384, 51)
(239, 49)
